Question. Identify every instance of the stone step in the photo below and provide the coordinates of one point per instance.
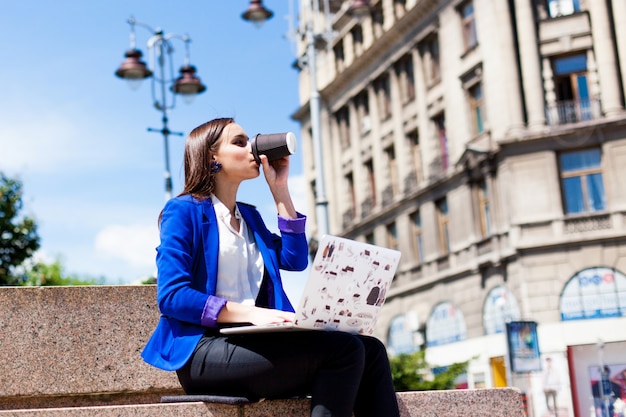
(504, 402)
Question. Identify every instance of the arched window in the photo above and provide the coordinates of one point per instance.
(500, 307)
(403, 334)
(446, 324)
(593, 293)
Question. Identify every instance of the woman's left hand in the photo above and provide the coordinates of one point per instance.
(277, 175)
(276, 172)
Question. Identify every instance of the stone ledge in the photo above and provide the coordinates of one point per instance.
(75, 351)
(86, 400)
(66, 341)
(504, 402)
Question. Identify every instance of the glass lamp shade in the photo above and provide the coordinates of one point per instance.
(257, 13)
(188, 84)
(132, 68)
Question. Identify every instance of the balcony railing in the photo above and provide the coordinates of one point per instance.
(367, 207)
(573, 111)
(349, 218)
(388, 196)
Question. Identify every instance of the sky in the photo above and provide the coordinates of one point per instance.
(77, 136)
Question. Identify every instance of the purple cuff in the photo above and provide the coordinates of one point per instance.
(297, 225)
(211, 310)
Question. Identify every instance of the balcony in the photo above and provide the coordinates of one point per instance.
(367, 207)
(573, 111)
(349, 218)
(388, 196)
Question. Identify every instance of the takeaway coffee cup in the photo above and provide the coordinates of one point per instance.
(273, 145)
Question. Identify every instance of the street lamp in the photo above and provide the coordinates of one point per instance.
(358, 9)
(257, 13)
(187, 84)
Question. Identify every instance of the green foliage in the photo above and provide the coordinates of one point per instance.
(18, 235)
(411, 372)
(149, 281)
(41, 274)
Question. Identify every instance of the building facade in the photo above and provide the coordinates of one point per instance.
(486, 140)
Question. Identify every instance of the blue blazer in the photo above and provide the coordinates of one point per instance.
(187, 261)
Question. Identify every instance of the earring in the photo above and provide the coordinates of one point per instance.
(216, 167)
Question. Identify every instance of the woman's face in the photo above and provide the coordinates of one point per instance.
(235, 155)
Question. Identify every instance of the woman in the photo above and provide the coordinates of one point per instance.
(218, 265)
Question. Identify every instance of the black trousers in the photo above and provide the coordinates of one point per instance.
(343, 373)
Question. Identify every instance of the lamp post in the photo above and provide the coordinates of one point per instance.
(187, 84)
(358, 9)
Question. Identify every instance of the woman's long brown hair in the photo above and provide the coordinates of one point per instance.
(200, 146)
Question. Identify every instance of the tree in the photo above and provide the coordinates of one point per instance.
(409, 371)
(41, 274)
(18, 235)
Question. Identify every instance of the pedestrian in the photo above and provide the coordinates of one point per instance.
(218, 265)
(551, 385)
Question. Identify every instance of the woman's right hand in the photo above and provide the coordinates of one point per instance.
(268, 316)
(240, 313)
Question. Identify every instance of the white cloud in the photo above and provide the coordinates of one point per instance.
(134, 244)
(47, 138)
(297, 188)
(41, 146)
(298, 196)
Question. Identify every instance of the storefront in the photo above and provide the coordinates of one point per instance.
(571, 356)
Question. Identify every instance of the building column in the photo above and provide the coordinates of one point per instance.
(398, 132)
(550, 94)
(358, 174)
(510, 93)
(605, 58)
(423, 121)
(530, 64)
(619, 23)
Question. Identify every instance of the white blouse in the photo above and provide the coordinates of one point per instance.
(240, 267)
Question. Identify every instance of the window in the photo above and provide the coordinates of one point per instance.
(402, 334)
(340, 63)
(383, 95)
(363, 111)
(476, 103)
(484, 209)
(342, 118)
(392, 236)
(369, 169)
(446, 324)
(440, 126)
(416, 231)
(404, 69)
(357, 39)
(369, 238)
(572, 92)
(313, 190)
(558, 8)
(349, 181)
(392, 166)
(442, 221)
(469, 26)
(593, 293)
(581, 181)
(430, 53)
(499, 308)
(414, 145)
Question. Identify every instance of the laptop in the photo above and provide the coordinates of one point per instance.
(345, 290)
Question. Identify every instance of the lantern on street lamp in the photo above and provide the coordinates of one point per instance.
(257, 13)
(187, 84)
